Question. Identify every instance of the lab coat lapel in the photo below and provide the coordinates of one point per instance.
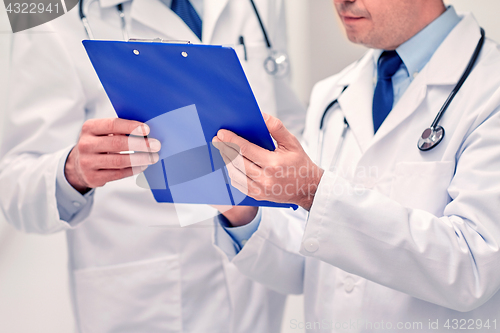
(445, 68)
(156, 15)
(356, 101)
(212, 11)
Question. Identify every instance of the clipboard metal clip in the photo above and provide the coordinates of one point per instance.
(159, 40)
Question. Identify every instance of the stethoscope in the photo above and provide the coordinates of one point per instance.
(85, 20)
(276, 63)
(431, 136)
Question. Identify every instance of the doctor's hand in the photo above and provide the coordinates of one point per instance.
(96, 158)
(285, 175)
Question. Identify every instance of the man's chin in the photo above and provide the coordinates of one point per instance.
(355, 37)
(362, 39)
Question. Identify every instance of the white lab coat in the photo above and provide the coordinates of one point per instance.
(397, 236)
(133, 268)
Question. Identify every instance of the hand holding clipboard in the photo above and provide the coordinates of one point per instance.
(185, 93)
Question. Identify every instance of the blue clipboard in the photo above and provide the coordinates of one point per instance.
(185, 93)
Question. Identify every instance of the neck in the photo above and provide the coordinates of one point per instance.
(426, 15)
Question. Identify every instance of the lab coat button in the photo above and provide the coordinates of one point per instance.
(76, 204)
(311, 245)
(348, 284)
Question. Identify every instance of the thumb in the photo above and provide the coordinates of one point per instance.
(279, 132)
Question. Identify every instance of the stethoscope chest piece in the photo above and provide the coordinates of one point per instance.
(430, 138)
(277, 64)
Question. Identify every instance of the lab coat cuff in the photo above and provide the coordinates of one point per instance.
(231, 240)
(270, 256)
(223, 241)
(241, 234)
(318, 212)
(71, 204)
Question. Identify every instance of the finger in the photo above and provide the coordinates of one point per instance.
(108, 126)
(238, 179)
(249, 188)
(119, 143)
(227, 151)
(243, 188)
(230, 154)
(226, 159)
(230, 150)
(241, 181)
(241, 178)
(280, 133)
(248, 168)
(247, 149)
(122, 161)
(105, 176)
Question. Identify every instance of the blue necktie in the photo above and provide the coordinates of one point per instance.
(188, 14)
(383, 98)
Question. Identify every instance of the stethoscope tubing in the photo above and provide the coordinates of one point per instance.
(321, 132)
(84, 19)
(262, 27)
(435, 128)
(119, 7)
(463, 78)
(86, 24)
(335, 101)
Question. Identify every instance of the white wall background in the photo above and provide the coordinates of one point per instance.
(33, 277)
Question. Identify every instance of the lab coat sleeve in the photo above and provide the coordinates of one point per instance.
(69, 201)
(45, 112)
(289, 108)
(271, 255)
(450, 260)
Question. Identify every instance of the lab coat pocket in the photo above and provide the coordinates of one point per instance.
(423, 185)
(142, 296)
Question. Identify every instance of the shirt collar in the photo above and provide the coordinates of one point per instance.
(197, 5)
(418, 50)
(110, 3)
